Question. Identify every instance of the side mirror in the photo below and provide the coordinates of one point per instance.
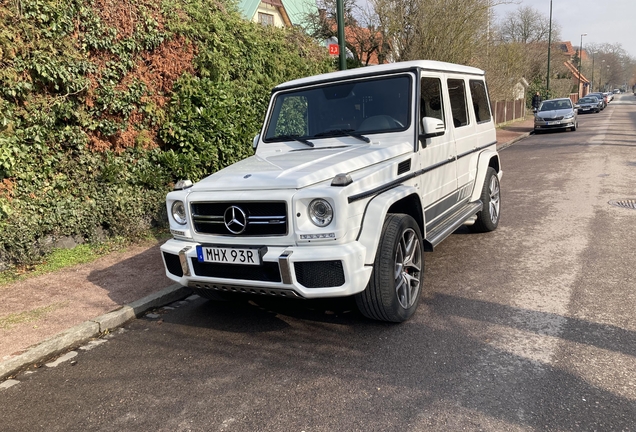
(255, 141)
(534, 109)
(431, 127)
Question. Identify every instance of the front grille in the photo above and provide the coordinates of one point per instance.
(262, 218)
(552, 118)
(173, 264)
(319, 274)
(266, 272)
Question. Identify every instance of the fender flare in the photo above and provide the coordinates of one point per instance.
(485, 160)
(374, 215)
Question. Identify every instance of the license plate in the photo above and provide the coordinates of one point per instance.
(553, 123)
(586, 109)
(222, 255)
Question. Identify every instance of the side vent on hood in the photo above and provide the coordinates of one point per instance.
(404, 166)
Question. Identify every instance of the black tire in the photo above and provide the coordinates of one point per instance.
(488, 217)
(395, 286)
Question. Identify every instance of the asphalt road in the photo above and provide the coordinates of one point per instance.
(531, 327)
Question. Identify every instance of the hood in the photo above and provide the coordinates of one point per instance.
(298, 168)
(554, 113)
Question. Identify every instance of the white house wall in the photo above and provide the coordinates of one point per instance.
(270, 10)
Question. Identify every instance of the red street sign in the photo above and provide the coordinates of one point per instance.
(334, 49)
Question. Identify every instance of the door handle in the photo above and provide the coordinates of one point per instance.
(451, 157)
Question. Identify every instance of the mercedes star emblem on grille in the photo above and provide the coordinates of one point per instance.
(235, 219)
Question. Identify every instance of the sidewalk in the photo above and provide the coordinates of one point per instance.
(49, 314)
(514, 131)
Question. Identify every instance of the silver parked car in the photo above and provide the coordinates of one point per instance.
(589, 104)
(556, 114)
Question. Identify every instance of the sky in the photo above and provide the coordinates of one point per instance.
(604, 21)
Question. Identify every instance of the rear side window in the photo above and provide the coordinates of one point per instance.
(457, 94)
(480, 100)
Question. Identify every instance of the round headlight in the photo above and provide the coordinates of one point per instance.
(320, 212)
(179, 212)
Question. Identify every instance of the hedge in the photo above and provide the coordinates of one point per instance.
(104, 104)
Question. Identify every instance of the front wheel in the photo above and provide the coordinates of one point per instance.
(394, 289)
(488, 217)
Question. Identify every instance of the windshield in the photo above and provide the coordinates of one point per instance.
(350, 108)
(556, 105)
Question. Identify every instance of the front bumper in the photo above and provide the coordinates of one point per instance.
(295, 271)
(557, 124)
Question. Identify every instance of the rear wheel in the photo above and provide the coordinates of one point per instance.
(394, 289)
(488, 217)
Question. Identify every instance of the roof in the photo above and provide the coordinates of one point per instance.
(431, 65)
(575, 72)
(297, 10)
(567, 48)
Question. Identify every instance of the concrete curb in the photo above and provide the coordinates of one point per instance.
(91, 329)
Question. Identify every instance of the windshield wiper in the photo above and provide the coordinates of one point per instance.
(295, 138)
(348, 132)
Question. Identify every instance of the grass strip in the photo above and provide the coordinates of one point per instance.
(28, 316)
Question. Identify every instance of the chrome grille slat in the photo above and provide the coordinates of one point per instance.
(262, 218)
(206, 217)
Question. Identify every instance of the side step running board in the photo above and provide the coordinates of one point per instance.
(450, 225)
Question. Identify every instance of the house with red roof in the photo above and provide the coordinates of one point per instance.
(572, 54)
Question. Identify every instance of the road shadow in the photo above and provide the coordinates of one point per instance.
(416, 367)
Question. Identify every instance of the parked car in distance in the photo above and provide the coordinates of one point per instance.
(589, 104)
(556, 114)
(601, 97)
(617, 91)
(610, 96)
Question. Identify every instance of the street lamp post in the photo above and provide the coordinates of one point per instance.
(580, 60)
(547, 86)
(592, 83)
(341, 34)
(600, 80)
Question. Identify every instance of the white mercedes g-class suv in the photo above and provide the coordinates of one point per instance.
(355, 174)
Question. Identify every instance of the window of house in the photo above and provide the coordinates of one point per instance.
(480, 100)
(457, 95)
(265, 19)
